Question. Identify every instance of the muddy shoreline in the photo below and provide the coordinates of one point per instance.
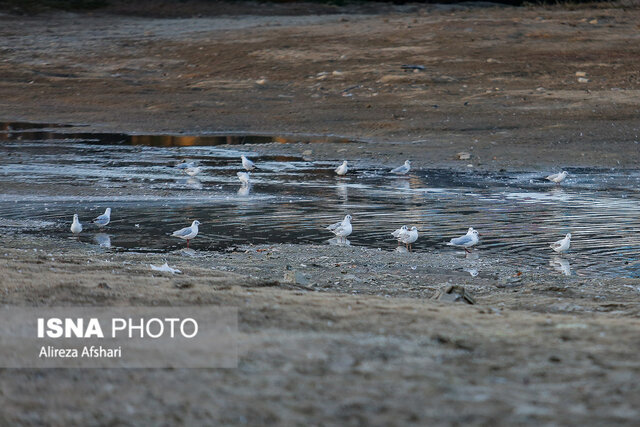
(341, 335)
(503, 83)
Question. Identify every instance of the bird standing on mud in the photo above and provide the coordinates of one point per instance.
(399, 231)
(187, 233)
(406, 235)
(76, 227)
(342, 229)
(409, 237)
(468, 240)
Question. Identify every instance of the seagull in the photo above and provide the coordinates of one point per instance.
(562, 245)
(76, 227)
(341, 229)
(402, 170)
(244, 178)
(466, 241)
(399, 231)
(248, 164)
(185, 165)
(103, 219)
(409, 237)
(558, 177)
(342, 169)
(193, 171)
(188, 233)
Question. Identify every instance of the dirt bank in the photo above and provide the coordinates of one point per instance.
(351, 342)
(558, 86)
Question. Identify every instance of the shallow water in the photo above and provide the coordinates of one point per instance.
(292, 200)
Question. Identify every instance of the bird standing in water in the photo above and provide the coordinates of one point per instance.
(342, 169)
(562, 245)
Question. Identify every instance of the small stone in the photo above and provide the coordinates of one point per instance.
(181, 284)
(463, 155)
(455, 293)
(295, 277)
(582, 80)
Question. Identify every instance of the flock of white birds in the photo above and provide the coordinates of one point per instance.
(342, 229)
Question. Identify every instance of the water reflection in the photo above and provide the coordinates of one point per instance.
(342, 190)
(339, 242)
(42, 131)
(516, 215)
(193, 183)
(560, 265)
(103, 240)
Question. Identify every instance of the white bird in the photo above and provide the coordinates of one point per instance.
(193, 171)
(341, 229)
(104, 219)
(558, 177)
(188, 233)
(399, 231)
(562, 245)
(342, 169)
(402, 170)
(185, 165)
(76, 227)
(244, 178)
(466, 241)
(248, 164)
(165, 267)
(409, 237)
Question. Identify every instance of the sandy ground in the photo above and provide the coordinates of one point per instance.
(360, 336)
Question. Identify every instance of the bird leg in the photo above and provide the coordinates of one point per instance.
(467, 250)
(187, 243)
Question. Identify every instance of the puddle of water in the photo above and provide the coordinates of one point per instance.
(22, 131)
(44, 181)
